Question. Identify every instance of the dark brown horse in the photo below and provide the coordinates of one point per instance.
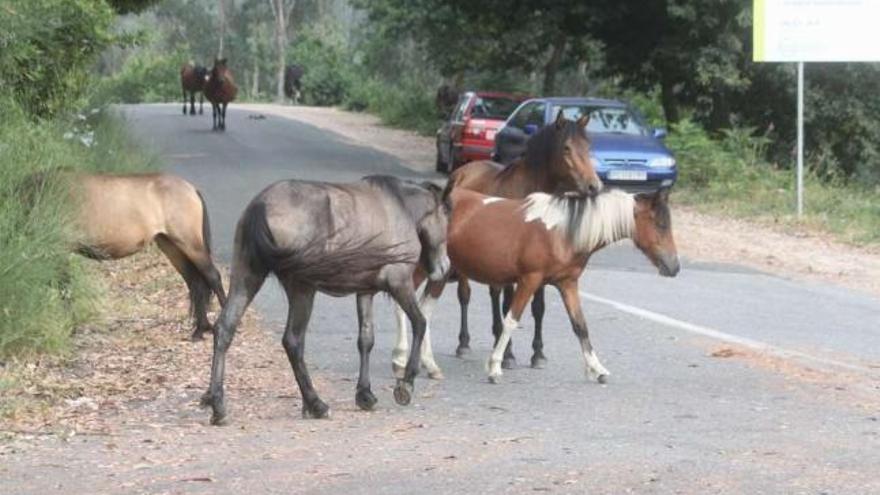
(220, 89)
(339, 239)
(192, 81)
(117, 215)
(546, 239)
(293, 81)
(557, 160)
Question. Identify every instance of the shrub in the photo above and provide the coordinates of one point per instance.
(145, 77)
(328, 70)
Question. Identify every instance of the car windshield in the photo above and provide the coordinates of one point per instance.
(493, 107)
(616, 120)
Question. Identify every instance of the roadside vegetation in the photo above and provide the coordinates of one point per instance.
(47, 52)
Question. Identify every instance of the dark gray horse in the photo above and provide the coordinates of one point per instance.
(339, 239)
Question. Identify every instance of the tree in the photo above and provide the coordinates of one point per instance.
(281, 10)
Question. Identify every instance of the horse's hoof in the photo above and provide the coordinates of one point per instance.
(539, 362)
(365, 399)
(508, 363)
(318, 410)
(462, 351)
(436, 374)
(403, 393)
(398, 370)
(219, 419)
(494, 379)
(603, 379)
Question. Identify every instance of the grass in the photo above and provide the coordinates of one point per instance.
(728, 175)
(45, 291)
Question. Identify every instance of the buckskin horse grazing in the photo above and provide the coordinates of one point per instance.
(220, 89)
(546, 239)
(192, 81)
(339, 239)
(117, 215)
(557, 160)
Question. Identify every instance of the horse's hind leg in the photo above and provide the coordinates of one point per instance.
(364, 397)
(213, 116)
(201, 102)
(572, 301)
(301, 300)
(199, 291)
(184, 102)
(538, 358)
(243, 286)
(464, 299)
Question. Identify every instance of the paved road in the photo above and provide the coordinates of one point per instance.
(793, 408)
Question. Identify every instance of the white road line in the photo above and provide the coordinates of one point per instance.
(725, 337)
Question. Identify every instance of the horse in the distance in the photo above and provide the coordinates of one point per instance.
(445, 100)
(557, 160)
(192, 81)
(118, 215)
(293, 81)
(546, 239)
(220, 89)
(362, 238)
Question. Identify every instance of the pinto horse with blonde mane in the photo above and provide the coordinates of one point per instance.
(557, 160)
(545, 239)
(220, 89)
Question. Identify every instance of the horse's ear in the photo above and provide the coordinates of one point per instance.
(560, 119)
(662, 196)
(584, 120)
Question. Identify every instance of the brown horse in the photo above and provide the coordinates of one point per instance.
(117, 215)
(546, 239)
(220, 89)
(192, 80)
(557, 160)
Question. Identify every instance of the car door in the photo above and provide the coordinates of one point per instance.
(450, 133)
(511, 141)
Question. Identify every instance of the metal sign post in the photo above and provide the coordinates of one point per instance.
(800, 139)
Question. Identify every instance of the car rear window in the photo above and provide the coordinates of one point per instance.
(493, 107)
(617, 120)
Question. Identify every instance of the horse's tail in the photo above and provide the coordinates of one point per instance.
(313, 262)
(206, 223)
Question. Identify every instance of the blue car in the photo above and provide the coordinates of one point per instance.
(627, 153)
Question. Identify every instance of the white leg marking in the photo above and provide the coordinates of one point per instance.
(594, 368)
(401, 349)
(494, 364)
(427, 307)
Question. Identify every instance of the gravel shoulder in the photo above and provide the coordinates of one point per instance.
(799, 255)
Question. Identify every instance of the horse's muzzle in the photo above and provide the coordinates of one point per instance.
(669, 265)
(441, 268)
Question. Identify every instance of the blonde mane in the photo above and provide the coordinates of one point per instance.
(588, 223)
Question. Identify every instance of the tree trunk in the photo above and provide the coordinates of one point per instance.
(255, 84)
(281, 13)
(552, 66)
(667, 99)
(221, 5)
(583, 84)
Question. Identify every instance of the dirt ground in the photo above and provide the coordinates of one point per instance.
(801, 255)
(135, 365)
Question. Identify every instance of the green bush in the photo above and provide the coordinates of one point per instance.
(328, 69)
(47, 48)
(408, 105)
(45, 291)
(144, 78)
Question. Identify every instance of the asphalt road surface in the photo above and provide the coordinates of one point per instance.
(724, 379)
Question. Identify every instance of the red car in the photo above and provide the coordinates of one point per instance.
(469, 134)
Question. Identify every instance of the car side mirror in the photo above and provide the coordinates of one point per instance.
(659, 133)
(530, 129)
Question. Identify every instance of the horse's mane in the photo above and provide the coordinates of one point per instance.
(549, 141)
(587, 222)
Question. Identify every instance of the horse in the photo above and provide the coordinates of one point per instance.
(339, 239)
(220, 89)
(293, 81)
(192, 80)
(115, 216)
(557, 159)
(548, 239)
